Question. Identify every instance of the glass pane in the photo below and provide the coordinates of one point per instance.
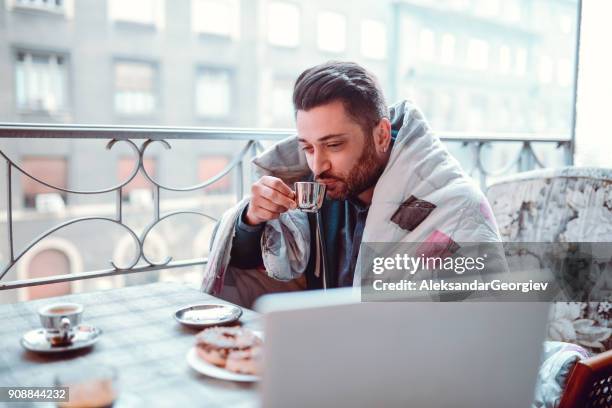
(283, 24)
(40, 82)
(214, 17)
(138, 11)
(331, 32)
(213, 93)
(373, 39)
(20, 85)
(135, 87)
(475, 54)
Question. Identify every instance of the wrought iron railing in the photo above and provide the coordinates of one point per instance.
(252, 139)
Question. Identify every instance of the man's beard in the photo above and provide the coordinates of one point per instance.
(362, 176)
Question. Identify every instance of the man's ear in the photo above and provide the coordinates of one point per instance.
(382, 135)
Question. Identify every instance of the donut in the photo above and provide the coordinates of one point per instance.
(213, 356)
(214, 344)
(244, 361)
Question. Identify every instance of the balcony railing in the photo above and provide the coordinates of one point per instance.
(140, 138)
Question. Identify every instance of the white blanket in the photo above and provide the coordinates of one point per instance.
(419, 168)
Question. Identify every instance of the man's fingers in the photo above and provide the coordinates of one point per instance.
(271, 197)
(278, 185)
(277, 198)
(266, 214)
(269, 205)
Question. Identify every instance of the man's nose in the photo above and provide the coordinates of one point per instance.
(320, 163)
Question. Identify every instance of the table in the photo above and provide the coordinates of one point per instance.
(140, 339)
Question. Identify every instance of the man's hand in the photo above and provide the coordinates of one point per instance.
(269, 198)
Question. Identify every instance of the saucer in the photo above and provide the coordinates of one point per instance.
(207, 314)
(85, 336)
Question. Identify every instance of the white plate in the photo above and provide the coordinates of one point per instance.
(211, 370)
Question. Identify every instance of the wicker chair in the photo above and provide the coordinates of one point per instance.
(589, 384)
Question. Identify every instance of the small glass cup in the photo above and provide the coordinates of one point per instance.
(91, 386)
(309, 195)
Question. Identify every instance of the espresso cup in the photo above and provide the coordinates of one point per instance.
(60, 321)
(309, 195)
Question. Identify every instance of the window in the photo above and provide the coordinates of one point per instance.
(426, 44)
(478, 54)
(135, 88)
(502, 53)
(41, 81)
(504, 59)
(216, 17)
(283, 24)
(512, 11)
(146, 12)
(448, 49)
(140, 189)
(210, 166)
(373, 39)
(331, 32)
(49, 5)
(213, 92)
(51, 170)
(521, 61)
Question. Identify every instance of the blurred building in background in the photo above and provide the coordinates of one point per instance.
(488, 65)
(479, 66)
(472, 65)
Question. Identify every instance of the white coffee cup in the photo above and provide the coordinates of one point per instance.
(59, 321)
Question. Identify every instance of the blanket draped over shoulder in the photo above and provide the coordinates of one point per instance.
(423, 195)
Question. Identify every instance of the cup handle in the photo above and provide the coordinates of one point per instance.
(65, 327)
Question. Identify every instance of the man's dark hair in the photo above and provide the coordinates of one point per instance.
(348, 82)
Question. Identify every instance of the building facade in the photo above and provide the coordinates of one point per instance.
(477, 66)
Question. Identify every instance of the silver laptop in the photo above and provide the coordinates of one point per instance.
(326, 349)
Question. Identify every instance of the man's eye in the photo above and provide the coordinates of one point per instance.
(307, 148)
(334, 145)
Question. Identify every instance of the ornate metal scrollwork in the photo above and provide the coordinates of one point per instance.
(139, 240)
(109, 146)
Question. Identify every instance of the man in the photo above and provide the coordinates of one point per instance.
(388, 179)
